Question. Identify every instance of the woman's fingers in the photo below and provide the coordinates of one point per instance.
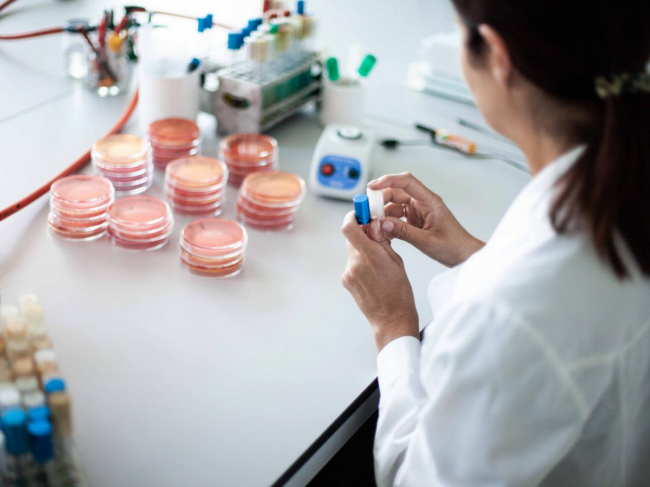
(396, 228)
(398, 196)
(406, 181)
(354, 234)
(394, 210)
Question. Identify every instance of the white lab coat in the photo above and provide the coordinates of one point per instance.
(534, 371)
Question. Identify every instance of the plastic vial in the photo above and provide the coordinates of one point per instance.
(376, 203)
(33, 399)
(75, 47)
(27, 384)
(54, 384)
(9, 399)
(18, 348)
(41, 446)
(23, 367)
(20, 467)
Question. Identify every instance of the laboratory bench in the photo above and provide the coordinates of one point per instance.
(178, 379)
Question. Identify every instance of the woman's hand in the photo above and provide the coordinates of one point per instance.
(429, 226)
(376, 278)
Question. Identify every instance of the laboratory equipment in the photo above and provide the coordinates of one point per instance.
(168, 76)
(125, 160)
(173, 138)
(344, 96)
(79, 208)
(246, 154)
(108, 72)
(140, 223)
(75, 47)
(213, 247)
(196, 185)
(270, 201)
(341, 164)
(361, 209)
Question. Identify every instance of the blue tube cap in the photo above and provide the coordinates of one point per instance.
(208, 21)
(40, 440)
(234, 40)
(253, 24)
(14, 425)
(300, 7)
(54, 385)
(361, 209)
(38, 413)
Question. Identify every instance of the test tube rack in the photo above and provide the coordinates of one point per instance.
(249, 103)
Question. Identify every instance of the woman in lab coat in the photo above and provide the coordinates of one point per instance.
(536, 367)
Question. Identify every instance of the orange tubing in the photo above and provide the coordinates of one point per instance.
(75, 166)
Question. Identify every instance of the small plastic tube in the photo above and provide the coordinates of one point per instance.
(53, 384)
(33, 399)
(16, 329)
(9, 399)
(376, 203)
(27, 384)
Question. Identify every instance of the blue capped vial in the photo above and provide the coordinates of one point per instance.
(361, 209)
(40, 440)
(14, 425)
(38, 413)
(54, 385)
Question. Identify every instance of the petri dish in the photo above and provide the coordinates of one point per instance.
(174, 132)
(211, 237)
(218, 272)
(121, 150)
(274, 188)
(139, 212)
(248, 148)
(196, 172)
(81, 192)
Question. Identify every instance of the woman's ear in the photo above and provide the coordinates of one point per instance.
(496, 56)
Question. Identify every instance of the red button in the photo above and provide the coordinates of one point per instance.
(327, 169)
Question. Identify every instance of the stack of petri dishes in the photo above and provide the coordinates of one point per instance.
(140, 222)
(79, 207)
(270, 201)
(246, 154)
(213, 247)
(126, 161)
(174, 138)
(196, 185)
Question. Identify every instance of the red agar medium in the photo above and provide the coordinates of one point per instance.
(82, 192)
(174, 132)
(275, 187)
(246, 154)
(213, 247)
(121, 150)
(140, 222)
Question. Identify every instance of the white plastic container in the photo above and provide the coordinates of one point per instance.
(343, 101)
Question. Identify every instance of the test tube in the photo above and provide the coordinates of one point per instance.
(26, 384)
(41, 446)
(9, 398)
(23, 367)
(17, 349)
(53, 384)
(46, 361)
(16, 329)
(33, 399)
(19, 464)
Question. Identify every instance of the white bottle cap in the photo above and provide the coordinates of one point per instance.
(8, 312)
(27, 384)
(376, 203)
(33, 313)
(47, 355)
(33, 399)
(36, 331)
(9, 398)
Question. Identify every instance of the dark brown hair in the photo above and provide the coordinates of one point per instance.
(562, 47)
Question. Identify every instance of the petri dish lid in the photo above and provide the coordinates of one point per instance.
(139, 212)
(121, 150)
(174, 131)
(274, 187)
(248, 147)
(196, 172)
(81, 191)
(213, 234)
